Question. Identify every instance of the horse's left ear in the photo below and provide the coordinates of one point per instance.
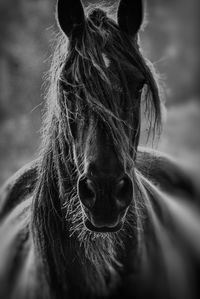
(70, 14)
(130, 16)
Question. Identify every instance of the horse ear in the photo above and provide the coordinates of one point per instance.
(130, 16)
(70, 14)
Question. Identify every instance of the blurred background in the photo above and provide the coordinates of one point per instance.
(170, 41)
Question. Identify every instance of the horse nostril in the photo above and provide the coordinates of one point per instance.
(124, 192)
(86, 192)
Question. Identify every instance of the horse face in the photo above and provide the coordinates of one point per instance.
(105, 190)
(104, 109)
(105, 186)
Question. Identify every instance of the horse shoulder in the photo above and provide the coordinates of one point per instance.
(166, 173)
(14, 238)
(18, 187)
(20, 276)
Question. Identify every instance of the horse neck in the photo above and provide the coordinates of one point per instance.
(171, 241)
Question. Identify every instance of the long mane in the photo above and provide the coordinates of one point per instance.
(73, 63)
(78, 74)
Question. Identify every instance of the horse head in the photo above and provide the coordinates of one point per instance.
(100, 84)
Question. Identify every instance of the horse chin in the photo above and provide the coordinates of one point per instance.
(103, 229)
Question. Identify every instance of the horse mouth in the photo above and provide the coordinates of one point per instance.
(102, 229)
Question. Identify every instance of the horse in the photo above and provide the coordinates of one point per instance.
(96, 215)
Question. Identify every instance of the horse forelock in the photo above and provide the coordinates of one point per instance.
(86, 66)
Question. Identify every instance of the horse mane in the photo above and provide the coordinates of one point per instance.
(72, 62)
(80, 58)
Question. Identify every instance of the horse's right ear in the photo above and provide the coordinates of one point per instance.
(70, 14)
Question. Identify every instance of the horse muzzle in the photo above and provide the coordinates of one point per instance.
(105, 201)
